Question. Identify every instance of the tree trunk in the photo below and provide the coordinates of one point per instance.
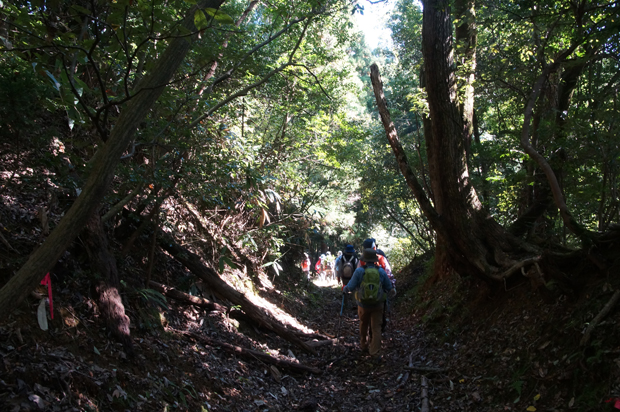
(475, 236)
(109, 300)
(474, 242)
(192, 262)
(103, 165)
(466, 39)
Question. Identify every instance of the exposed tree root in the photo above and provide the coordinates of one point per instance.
(514, 268)
(251, 354)
(176, 294)
(612, 302)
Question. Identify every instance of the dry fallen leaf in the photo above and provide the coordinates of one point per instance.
(67, 317)
(42, 315)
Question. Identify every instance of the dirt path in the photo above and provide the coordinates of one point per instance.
(353, 381)
(356, 382)
(75, 366)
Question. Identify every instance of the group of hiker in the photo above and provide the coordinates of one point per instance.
(325, 266)
(370, 277)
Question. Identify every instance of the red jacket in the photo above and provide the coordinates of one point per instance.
(381, 262)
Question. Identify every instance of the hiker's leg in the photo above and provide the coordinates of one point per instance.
(375, 325)
(364, 316)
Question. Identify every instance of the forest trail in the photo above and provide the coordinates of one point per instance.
(353, 381)
(356, 381)
(75, 366)
(507, 359)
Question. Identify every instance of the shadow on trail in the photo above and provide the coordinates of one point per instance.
(355, 381)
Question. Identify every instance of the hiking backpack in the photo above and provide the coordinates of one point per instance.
(370, 291)
(348, 267)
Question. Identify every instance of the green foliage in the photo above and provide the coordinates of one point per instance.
(20, 95)
(295, 145)
(152, 297)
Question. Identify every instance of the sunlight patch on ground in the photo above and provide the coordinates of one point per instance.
(324, 283)
(279, 314)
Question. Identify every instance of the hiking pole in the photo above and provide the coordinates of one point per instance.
(339, 318)
(386, 311)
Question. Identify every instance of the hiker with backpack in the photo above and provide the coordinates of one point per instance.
(383, 263)
(387, 267)
(320, 266)
(371, 286)
(346, 265)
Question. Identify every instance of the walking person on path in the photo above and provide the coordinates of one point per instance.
(346, 265)
(383, 263)
(371, 286)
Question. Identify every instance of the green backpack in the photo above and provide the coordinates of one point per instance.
(370, 291)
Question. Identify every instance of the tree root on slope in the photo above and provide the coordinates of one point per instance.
(250, 353)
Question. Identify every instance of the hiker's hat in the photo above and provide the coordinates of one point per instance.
(322, 257)
(369, 243)
(349, 250)
(370, 255)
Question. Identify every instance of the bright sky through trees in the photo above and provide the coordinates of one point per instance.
(373, 23)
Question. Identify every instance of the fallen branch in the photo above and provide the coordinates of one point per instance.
(319, 336)
(119, 206)
(424, 369)
(251, 354)
(176, 294)
(193, 262)
(612, 302)
(7, 244)
(317, 343)
(424, 395)
(406, 377)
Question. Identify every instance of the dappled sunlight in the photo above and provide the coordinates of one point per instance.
(278, 313)
(274, 310)
(325, 283)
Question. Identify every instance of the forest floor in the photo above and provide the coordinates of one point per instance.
(468, 352)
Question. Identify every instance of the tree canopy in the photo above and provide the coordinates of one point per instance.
(262, 114)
